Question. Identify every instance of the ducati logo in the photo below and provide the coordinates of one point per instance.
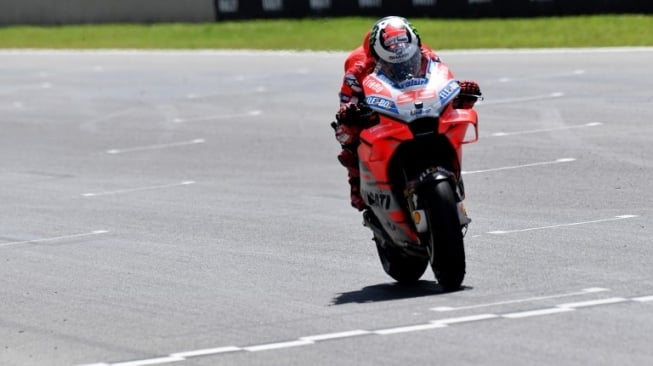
(379, 200)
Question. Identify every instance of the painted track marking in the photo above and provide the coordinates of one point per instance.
(278, 345)
(583, 304)
(224, 116)
(539, 312)
(151, 361)
(324, 337)
(465, 319)
(543, 76)
(409, 328)
(206, 352)
(502, 134)
(522, 99)
(187, 182)
(55, 238)
(433, 324)
(529, 299)
(616, 218)
(557, 161)
(154, 147)
(644, 299)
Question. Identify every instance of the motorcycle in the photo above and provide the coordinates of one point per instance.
(411, 176)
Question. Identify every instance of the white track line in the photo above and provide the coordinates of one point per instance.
(187, 182)
(465, 319)
(643, 299)
(63, 237)
(410, 328)
(224, 116)
(271, 346)
(540, 312)
(522, 99)
(327, 336)
(502, 134)
(543, 76)
(154, 147)
(557, 161)
(616, 218)
(206, 352)
(150, 361)
(433, 324)
(528, 299)
(583, 304)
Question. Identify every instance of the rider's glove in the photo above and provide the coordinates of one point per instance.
(348, 114)
(469, 94)
(347, 135)
(351, 120)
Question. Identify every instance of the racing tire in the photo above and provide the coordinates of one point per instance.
(402, 267)
(446, 248)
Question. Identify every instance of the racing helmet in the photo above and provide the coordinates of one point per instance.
(396, 46)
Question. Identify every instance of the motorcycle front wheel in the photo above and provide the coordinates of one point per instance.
(446, 248)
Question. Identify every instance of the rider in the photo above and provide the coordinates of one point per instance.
(392, 44)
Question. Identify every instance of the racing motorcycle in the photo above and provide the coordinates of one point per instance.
(411, 176)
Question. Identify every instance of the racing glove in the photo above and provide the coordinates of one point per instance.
(347, 135)
(348, 114)
(470, 92)
(351, 120)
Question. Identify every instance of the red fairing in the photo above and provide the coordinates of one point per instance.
(378, 145)
(452, 125)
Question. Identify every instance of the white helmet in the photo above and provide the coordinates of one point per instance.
(395, 44)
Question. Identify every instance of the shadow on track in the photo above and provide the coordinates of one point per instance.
(392, 291)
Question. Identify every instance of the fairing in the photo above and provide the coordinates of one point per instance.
(413, 98)
(418, 104)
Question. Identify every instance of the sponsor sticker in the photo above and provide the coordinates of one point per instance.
(412, 82)
(448, 92)
(381, 103)
(374, 85)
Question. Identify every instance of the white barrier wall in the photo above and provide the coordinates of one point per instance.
(49, 12)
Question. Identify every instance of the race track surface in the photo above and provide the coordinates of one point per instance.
(187, 208)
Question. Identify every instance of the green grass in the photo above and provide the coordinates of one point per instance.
(340, 34)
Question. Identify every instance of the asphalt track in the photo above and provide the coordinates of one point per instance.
(187, 208)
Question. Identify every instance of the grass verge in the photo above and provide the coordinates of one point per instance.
(339, 34)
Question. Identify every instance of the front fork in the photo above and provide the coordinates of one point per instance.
(434, 176)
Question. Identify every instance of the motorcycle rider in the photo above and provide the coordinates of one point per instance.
(390, 39)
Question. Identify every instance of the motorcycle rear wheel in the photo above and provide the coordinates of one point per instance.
(402, 267)
(446, 248)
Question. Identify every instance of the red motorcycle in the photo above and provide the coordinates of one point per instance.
(411, 174)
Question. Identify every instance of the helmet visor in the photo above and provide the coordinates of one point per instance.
(405, 70)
